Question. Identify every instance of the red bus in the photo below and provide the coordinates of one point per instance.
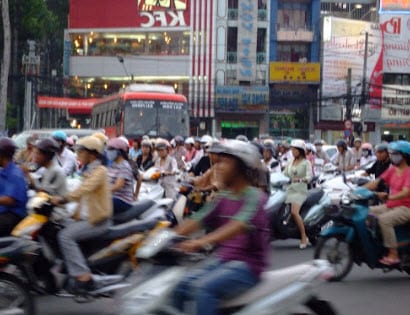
(142, 109)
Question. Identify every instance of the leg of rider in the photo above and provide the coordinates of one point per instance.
(228, 280)
(295, 208)
(183, 291)
(387, 222)
(68, 237)
(8, 221)
(120, 206)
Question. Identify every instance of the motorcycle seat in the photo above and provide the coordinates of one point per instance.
(135, 226)
(134, 212)
(271, 281)
(11, 246)
(313, 197)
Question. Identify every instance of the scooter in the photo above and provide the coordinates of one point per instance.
(109, 257)
(150, 187)
(278, 292)
(351, 240)
(15, 297)
(312, 211)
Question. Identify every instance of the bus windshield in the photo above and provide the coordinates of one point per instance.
(156, 118)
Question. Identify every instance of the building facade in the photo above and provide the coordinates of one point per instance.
(294, 67)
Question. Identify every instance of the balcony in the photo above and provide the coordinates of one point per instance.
(294, 34)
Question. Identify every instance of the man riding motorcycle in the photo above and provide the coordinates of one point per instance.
(396, 210)
(13, 189)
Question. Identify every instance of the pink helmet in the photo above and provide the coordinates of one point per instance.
(117, 144)
(367, 146)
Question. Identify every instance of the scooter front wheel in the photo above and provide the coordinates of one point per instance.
(14, 296)
(339, 254)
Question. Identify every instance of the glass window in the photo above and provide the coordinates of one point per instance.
(232, 39)
(293, 52)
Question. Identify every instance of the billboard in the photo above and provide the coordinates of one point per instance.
(395, 5)
(343, 49)
(294, 72)
(396, 103)
(129, 13)
(242, 99)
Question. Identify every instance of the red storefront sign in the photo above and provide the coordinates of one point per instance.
(73, 105)
(129, 13)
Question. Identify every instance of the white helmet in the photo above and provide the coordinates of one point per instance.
(206, 139)
(189, 140)
(298, 143)
(244, 151)
(310, 147)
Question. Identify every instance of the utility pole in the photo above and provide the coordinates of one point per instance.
(363, 95)
(348, 113)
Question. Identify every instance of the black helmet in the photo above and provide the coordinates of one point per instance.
(342, 143)
(7, 147)
(48, 146)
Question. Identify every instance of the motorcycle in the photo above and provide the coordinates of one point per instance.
(15, 297)
(110, 257)
(150, 186)
(278, 292)
(351, 240)
(312, 211)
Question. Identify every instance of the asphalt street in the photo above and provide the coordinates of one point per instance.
(363, 291)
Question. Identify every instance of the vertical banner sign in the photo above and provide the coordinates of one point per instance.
(247, 34)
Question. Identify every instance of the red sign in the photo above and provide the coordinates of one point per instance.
(73, 105)
(129, 13)
(394, 5)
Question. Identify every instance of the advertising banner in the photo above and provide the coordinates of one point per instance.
(247, 35)
(396, 103)
(241, 98)
(394, 5)
(294, 72)
(344, 48)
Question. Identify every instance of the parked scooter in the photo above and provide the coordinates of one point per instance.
(108, 256)
(351, 240)
(278, 292)
(15, 297)
(312, 211)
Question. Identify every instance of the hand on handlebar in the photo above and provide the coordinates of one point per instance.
(192, 245)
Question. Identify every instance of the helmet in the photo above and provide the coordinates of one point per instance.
(125, 140)
(146, 143)
(298, 143)
(318, 142)
(70, 141)
(242, 138)
(367, 146)
(179, 140)
(269, 147)
(7, 147)
(342, 143)
(162, 144)
(91, 143)
(246, 152)
(117, 144)
(358, 140)
(310, 147)
(59, 135)
(189, 140)
(269, 142)
(47, 146)
(100, 136)
(400, 146)
(382, 147)
(206, 139)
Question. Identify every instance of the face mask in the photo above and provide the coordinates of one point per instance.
(396, 159)
(112, 155)
(365, 153)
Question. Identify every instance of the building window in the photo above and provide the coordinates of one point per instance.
(396, 78)
(232, 44)
(231, 77)
(232, 10)
(293, 52)
(261, 46)
(293, 16)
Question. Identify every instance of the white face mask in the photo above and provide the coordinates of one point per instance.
(396, 159)
(112, 155)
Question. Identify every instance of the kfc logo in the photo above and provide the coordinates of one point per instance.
(156, 5)
(392, 26)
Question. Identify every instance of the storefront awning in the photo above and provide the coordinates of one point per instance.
(73, 105)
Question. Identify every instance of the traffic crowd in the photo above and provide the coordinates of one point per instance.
(235, 173)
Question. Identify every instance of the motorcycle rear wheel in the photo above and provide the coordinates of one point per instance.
(338, 252)
(14, 295)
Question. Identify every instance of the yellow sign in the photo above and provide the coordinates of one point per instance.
(294, 72)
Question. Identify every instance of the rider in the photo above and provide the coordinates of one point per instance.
(120, 175)
(179, 152)
(367, 154)
(320, 153)
(13, 189)
(382, 163)
(299, 170)
(190, 149)
(239, 231)
(92, 216)
(53, 179)
(268, 158)
(344, 160)
(396, 210)
(64, 157)
(357, 150)
(168, 167)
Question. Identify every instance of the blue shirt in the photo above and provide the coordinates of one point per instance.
(13, 184)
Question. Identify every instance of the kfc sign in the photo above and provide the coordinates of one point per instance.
(163, 13)
(392, 26)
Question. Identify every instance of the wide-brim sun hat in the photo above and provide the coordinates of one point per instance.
(90, 143)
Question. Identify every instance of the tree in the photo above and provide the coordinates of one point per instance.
(5, 63)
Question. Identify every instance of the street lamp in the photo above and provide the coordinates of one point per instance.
(121, 60)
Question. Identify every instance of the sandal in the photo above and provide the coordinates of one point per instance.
(389, 261)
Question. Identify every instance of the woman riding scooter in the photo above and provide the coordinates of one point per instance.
(396, 210)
